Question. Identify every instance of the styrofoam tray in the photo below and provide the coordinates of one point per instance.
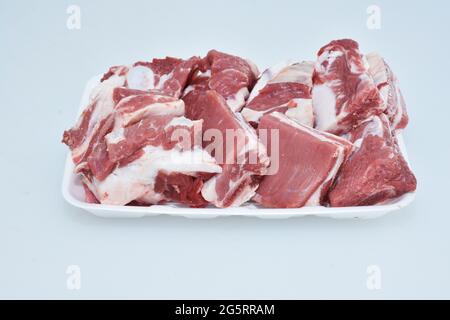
(73, 193)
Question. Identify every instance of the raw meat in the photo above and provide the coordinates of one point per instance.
(139, 121)
(388, 86)
(144, 155)
(285, 88)
(96, 118)
(308, 162)
(137, 180)
(132, 108)
(167, 76)
(182, 188)
(344, 93)
(122, 92)
(235, 147)
(230, 76)
(173, 130)
(376, 171)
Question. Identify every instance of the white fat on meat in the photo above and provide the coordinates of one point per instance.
(253, 143)
(238, 99)
(266, 76)
(246, 193)
(102, 97)
(373, 127)
(251, 115)
(344, 92)
(163, 79)
(388, 86)
(377, 68)
(175, 108)
(180, 121)
(137, 179)
(300, 109)
(324, 102)
(253, 67)
(296, 72)
(141, 78)
(315, 198)
(303, 112)
(122, 119)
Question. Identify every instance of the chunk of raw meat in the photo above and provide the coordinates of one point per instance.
(181, 188)
(123, 92)
(137, 180)
(344, 93)
(285, 88)
(167, 76)
(132, 108)
(230, 76)
(138, 121)
(376, 171)
(145, 124)
(235, 147)
(84, 136)
(389, 88)
(135, 122)
(308, 161)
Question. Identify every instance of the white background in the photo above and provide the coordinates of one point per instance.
(44, 67)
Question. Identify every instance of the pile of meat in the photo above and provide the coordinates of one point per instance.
(213, 131)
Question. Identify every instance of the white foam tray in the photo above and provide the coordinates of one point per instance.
(73, 193)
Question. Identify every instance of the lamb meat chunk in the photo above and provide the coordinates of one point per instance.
(285, 88)
(376, 171)
(167, 76)
(307, 163)
(389, 88)
(230, 76)
(234, 145)
(344, 93)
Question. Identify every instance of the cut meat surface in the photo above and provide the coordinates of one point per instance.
(376, 171)
(167, 76)
(123, 92)
(137, 180)
(344, 93)
(230, 76)
(82, 138)
(308, 163)
(181, 188)
(132, 110)
(142, 120)
(143, 158)
(389, 88)
(242, 157)
(135, 122)
(284, 88)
